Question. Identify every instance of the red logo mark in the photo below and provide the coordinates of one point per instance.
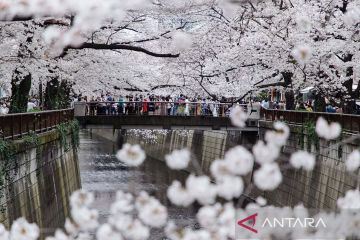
(250, 220)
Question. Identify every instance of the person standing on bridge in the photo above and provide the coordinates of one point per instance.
(169, 105)
(120, 105)
(163, 107)
(145, 107)
(151, 105)
(92, 106)
(187, 107)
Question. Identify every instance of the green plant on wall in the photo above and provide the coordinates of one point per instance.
(69, 127)
(31, 140)
(62, 130)
(7, 158)
(308, 129)
(20, 88)
(301, 136)
(75, 128)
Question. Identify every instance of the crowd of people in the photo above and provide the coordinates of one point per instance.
(179, 105)
(32, 105)
(301, 106)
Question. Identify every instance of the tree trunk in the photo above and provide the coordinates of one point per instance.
(350, 107)
(57, 94)
(52, 94)
(290, 100)
(64, 94)
(320, 103)
(20, 88)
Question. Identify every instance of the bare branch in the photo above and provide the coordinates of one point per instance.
(116, 46)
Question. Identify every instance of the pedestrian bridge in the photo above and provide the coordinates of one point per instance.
(134, 118)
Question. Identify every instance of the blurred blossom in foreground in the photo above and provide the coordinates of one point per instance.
(279, 136)
(265, 153)
(304, 23)
(178, 159)
(268, 177)
(301, 53)
(328, 131)
(178, 195)
(132, 155)
(239, 160)
(303, 159)
(238, 116)
(181, 41)
(21, 230)
(350, 201)
(352, 16)
(353, 161)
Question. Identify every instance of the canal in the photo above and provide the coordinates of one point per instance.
(104, 175)
(45, 176)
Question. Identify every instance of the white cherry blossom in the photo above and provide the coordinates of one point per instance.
(85, 218)
(59, 235)
(219, 169)
(196, 235)
(178, 195)
(81, 198)
(350, 201)
(132, 155)
(4, 234)
(123, 203)
(230, 187)
(22, 230)
(238, 117)
(154, 214)
(279, 136)
(106, 232)
(353, 161)
(207, 216)
(303, 159)
(265, 153)
(239, 160)
(181, 41)
(268, 177)
(328, 131)
(71, 228)
(302, 53)
(178, 159)
(137, 231)
(201, 189)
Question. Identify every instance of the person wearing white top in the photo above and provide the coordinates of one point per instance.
(30, 106)
(187, 110)
(3, 109)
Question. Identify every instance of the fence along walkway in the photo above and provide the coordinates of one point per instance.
(159, 108)
(14, 126)
(348, 122)
(132, 115)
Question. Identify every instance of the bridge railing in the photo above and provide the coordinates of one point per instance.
(349, 122)
(14, 126)
(159, 108)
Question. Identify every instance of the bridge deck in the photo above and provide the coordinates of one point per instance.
(161, 122)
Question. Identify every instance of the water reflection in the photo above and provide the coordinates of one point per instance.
(103, 174)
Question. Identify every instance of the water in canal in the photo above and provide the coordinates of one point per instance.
(104, 175)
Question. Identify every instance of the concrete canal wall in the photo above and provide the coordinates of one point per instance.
(317, 189)
(321, 187)
(38, 174)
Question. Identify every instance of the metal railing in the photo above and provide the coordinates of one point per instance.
(159, 108)
(348, 122)
(14, 126)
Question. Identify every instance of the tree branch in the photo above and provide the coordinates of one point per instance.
(115, 46)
